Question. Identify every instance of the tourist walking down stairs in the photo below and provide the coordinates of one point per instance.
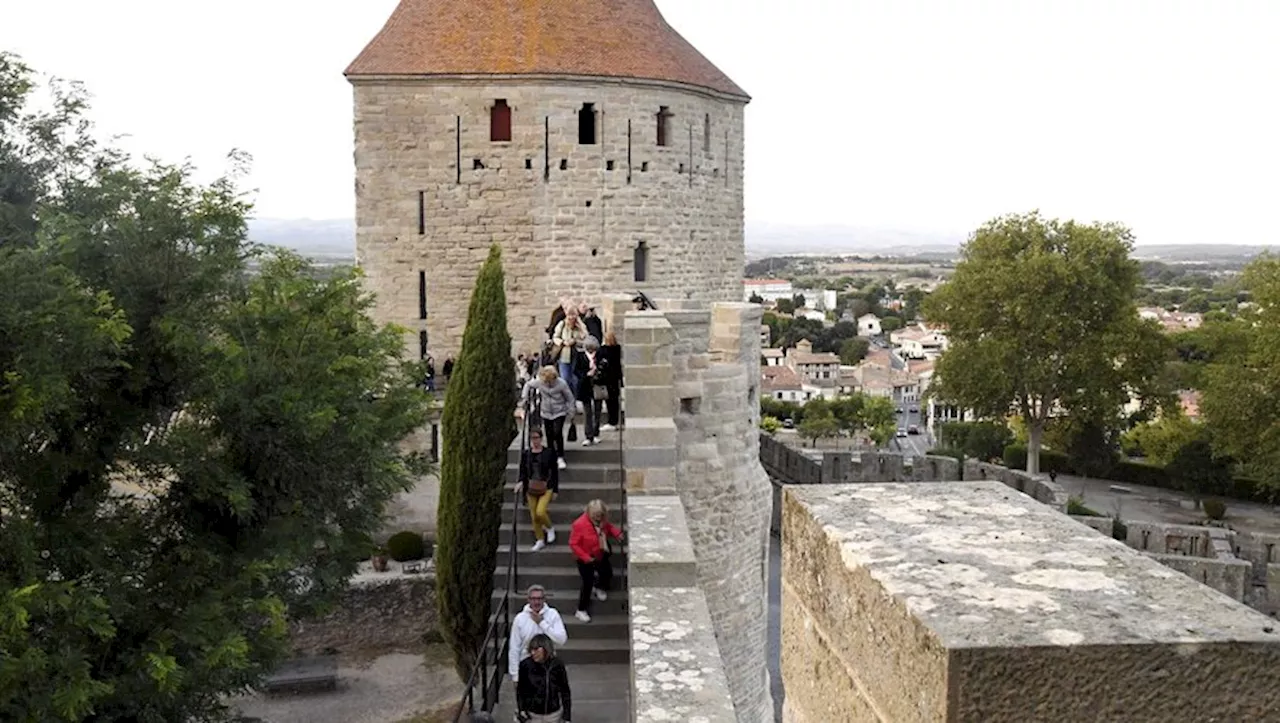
(589, 539)
(537, 618)
(556, 403)
(539, 484)
(542, 685)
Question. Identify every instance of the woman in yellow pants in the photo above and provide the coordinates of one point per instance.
(540, 483)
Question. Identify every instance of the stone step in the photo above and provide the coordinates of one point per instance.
(524, 530)
(601, 626)
(557, 553)
(566, 601)
(549, 576)
(601, 694)
(606, 452)
(565, 508)
(576, 473)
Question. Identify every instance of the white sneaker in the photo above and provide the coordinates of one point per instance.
(560, 463)
(551, 535)
(586, 442)
(600, 594)
(608, 428)
(537, 546)
(582, 616)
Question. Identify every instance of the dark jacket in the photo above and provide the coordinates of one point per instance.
(595, 327)
(540, 465)
(609, 362)
(543, 688)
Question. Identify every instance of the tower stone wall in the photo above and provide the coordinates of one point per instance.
(692, 402)
(433, 191)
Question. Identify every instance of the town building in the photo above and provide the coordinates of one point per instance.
(770, 290)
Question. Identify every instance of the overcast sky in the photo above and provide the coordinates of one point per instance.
(902, 114)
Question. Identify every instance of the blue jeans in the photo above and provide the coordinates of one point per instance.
(566, 373)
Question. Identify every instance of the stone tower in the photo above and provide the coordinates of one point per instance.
(587, 137)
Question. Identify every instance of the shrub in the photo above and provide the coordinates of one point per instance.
(406, 546)
(1214, 509)
(948, 452)
(770, 424)
(1119, 529)
(983, 440)
(1076, 506)
(478, 427)
(1015, 456)
(1141, 473)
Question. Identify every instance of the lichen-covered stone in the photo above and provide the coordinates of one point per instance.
(676, 665)
(660, 552)
(972, 602)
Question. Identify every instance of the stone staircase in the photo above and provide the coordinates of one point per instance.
(598, 654)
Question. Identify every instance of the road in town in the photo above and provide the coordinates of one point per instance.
(912, 444)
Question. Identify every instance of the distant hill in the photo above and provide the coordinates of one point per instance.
(337, 237)
(310, 237)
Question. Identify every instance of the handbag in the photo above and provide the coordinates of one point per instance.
(537, 487)
(599, 393)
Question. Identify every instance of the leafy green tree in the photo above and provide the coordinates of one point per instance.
(1158, 441)
(819, 426)
(890, 323)
(1041, 320)
(189, 454)
(477, 425)
(1241, 395)
(785, 306)
(756, 299)
(982, 440)
(1198, 471)
(880, 419)
(853, 350)
(798, 301)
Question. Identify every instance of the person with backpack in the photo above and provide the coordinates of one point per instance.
(542, 685)
(539, 484)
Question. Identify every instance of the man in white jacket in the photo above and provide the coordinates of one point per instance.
(537, 617)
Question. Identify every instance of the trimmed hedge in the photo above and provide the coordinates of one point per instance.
(404, 546)
(1015, 457)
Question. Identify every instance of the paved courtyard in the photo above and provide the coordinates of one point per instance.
(1136, 503)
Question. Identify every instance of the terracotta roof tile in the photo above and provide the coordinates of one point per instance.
(615, 39)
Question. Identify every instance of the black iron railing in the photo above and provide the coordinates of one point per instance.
(491, 662)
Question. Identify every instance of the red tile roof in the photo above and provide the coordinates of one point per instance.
(615, 39)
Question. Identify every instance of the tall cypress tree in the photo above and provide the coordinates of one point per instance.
(478, 426)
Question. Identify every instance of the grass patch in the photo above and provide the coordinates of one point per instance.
(1075, 506)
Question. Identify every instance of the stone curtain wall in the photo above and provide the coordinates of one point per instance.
(377, 612)
(1038, 487)
(568, 231)
(965, 602)
(692, 410)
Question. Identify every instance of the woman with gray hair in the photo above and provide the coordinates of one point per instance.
(591, 390)
(555, 402)
(542, 685)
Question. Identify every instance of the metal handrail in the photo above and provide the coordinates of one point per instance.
(498, 638)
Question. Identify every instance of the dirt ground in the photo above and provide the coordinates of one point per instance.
(402, 687)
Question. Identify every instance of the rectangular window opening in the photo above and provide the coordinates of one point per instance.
(641, 261)
(587, 124)
(422, 295)
(706, 133)
(664, 126)
(422, 213)
(422, 344)
(500, 121)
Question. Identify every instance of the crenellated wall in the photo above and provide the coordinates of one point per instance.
(692, 409)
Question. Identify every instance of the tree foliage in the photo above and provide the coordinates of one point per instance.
(853, 350)
(1241, 395)
(189, 454)
(1158, 441)
(980, 440)
(1041, 320)
(478, 425)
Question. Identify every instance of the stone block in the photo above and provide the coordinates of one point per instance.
(649, 432)
(677, 671)
(660, 550)
(968, 602)
(640, 457)
(648, 375)
(1105, 525)
(656, 402)
(1228, 576)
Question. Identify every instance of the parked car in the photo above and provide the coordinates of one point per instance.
(902, 432)
(789, 423)
(915, 410)
(913, 429)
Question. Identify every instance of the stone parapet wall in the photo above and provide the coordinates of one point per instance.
(1174, 539)
(965, 602)
(1038, 487)
(1105, 525)
(377, 612)
(790, 464)
(433, 192)
(1228, 576)
(677, 671)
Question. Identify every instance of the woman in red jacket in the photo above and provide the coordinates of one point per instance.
(589, 540)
